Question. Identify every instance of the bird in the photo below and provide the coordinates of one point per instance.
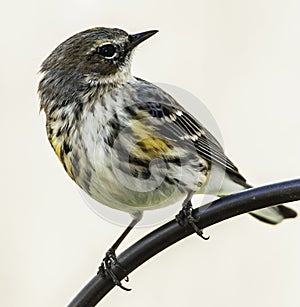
(125, 141)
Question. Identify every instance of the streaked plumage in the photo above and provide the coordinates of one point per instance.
(108, 128)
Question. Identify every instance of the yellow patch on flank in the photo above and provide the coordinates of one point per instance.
(156, 144)
(56, 145)
(68, 167)
(152, 147)
(147, 145)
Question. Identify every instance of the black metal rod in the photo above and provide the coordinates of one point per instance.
(172, 232)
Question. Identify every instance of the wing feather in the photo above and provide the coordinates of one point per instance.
(174, 122)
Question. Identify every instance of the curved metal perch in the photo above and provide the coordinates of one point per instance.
(172, 232)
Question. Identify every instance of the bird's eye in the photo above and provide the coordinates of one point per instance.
(108, 51)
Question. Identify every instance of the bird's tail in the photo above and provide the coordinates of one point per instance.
(274, 215)
(271, 215)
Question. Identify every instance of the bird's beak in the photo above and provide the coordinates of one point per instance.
(136, 39)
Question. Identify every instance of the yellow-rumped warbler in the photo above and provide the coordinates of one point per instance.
(116, 134)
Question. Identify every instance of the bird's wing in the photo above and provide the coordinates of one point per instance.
(173, 122)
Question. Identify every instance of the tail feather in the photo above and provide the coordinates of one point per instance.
(274, 215)
(270, 215)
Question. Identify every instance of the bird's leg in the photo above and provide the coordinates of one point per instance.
(110, 258)
(185, 216)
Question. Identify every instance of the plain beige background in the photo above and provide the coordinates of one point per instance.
(242, 59)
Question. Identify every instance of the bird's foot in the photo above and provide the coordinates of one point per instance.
(105, 268)
(185, 216)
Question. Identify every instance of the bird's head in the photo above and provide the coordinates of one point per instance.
(102, 54)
